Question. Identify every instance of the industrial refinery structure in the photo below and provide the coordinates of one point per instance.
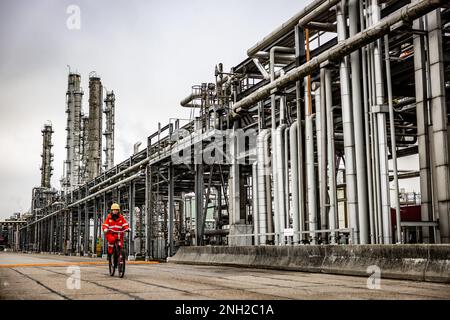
(295, 145)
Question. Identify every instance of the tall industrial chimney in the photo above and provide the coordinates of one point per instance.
(109, 131)
(94, 147)
(47, 156)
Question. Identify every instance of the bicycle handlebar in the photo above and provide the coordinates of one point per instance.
(128, 230)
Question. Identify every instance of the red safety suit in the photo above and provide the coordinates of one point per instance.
(109, 226)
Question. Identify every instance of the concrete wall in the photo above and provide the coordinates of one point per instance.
(407, 262)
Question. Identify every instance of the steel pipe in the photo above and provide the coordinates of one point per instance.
(284, 28)
(263, 174)
(405, 14)
(331, 156)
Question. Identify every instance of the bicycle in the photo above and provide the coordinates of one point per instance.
(117, 259)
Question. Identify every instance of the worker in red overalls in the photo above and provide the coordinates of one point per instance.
(114, 223)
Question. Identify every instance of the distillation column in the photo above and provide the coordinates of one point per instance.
(94, 132)
(47, 156)
(109, 130)
(72, 164)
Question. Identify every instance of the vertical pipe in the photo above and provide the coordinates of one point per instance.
(310, 170)
(360, 160)
(321, 120)
(279, 179)
(382, 135)
(300, 53)
(235, 185)
(287, 193)
(293, 148)
(331, 154)
(368, 148)
(393, 141)
(254, 201)
(318, 127)
(374, 142)
(276, 210)
(268, 185)
(347, 121)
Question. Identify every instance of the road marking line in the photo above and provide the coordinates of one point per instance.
(67, 264)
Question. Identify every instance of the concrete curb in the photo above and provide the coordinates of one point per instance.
(404, 262)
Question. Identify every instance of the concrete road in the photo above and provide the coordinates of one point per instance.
(26, 276)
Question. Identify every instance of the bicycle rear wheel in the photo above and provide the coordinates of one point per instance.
(121, 262)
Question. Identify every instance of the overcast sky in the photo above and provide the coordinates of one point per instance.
(149, 52)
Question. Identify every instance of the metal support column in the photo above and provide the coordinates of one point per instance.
(79, 231)
(86, 229)
(199, 190)
(171, 213)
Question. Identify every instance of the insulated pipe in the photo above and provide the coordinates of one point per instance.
(360, 157)
(321, 9)
(277, 152)
(284, 28)
(287, 192)
(367, 142)
(263, 174)
(374, 144)
(279, 181)
(189, 98)
(382, 135)
(276, 202)
(299, 45)
(322, 152)
(393, 141)
(405, 14)
(331, 154)
(321, 26)
(121, 173)
(319, 135)
(347, 123)
(272, 78)
(293, 148)
(135, 176)
(284, 58)
(310, 170)
(261, 68)
(255, 200)
(192, 105)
